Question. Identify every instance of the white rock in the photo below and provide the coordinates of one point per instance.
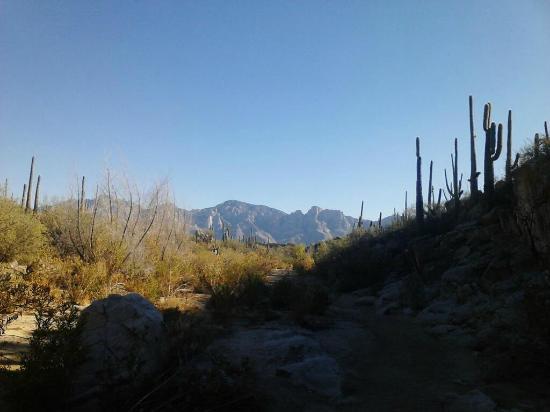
(125, 341)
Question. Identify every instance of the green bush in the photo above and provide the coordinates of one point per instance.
(301, 259)
(21, 234)
(54, 354)
(13, 293)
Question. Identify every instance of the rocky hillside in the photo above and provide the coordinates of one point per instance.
(273, 225)
(479, 280)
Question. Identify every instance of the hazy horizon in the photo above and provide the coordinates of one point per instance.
(282, 104)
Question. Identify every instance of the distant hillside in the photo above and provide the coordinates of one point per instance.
(274, 225)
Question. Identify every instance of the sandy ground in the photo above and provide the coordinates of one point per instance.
(16, 341)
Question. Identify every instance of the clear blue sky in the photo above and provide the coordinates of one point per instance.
(283, 103)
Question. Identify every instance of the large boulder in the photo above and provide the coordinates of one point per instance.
(125, 341)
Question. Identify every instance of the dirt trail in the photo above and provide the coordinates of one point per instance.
(400, 367)
(357, 361)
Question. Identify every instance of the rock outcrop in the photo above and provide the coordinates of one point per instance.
(125, 341)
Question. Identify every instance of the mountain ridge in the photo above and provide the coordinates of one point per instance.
(273, 225)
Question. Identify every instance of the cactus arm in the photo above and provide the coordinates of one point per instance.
(498, 143)
(447, 184)
(487, 117)
(36, 195)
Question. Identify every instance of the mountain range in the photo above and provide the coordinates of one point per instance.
(275, 226)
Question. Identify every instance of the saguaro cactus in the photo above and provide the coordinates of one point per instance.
(474, 174)
(455, 190)
(509, 166)
(493, 148)
(430, 187)
(36, 195)
(82, 194)
(360, 221)
(419, 198)
(29, 187)
(23, 196)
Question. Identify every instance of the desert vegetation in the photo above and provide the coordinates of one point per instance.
(474, 267)
(59, 258)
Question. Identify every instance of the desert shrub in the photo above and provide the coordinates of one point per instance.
(530, 152)
(74, 233)
(320, 251)
(21, 234)
(302, 261)
(82, 282)
(54, 354)
(233, 278)
(13, 293)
